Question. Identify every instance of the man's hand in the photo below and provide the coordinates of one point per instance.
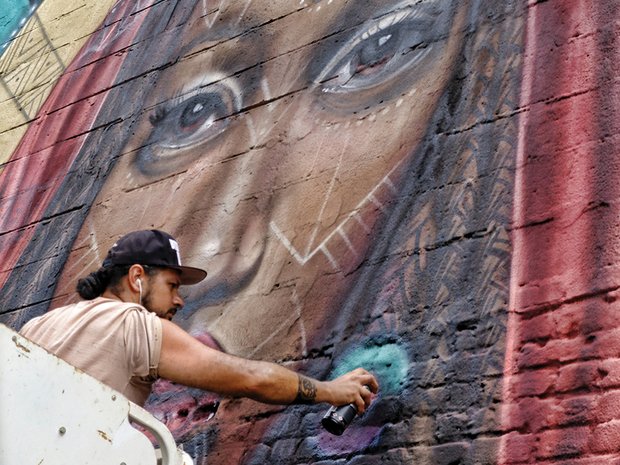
(356, 387)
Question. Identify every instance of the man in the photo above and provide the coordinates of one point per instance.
(122, 335)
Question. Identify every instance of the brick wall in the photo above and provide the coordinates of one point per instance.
(559, 374)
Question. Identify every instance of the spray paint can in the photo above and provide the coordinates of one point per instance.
(337, 419)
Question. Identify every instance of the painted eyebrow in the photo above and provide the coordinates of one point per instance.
(211, 38)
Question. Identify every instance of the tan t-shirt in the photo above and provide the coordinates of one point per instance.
(116, 342)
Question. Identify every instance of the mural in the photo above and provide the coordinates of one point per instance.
(331, 166)
(362, 182)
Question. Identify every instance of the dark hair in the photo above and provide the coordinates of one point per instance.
(95, 284)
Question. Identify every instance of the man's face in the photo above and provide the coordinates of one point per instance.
(161, 293)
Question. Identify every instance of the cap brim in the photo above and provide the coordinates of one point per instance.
(191, 275)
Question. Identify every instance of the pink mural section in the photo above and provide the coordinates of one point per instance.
(40, 163)
(562, 378)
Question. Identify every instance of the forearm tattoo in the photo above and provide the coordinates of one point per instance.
(306, 391)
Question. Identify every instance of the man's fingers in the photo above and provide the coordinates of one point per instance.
(371, 382)
(360, 404)
(365, 378)
(368, 386)
(366, 395)
(363, 399)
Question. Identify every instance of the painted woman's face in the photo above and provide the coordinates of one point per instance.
(270, 149)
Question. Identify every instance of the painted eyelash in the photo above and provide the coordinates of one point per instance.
(164, 109)
(158, 115)
(385, 23)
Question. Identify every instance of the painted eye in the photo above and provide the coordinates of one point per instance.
(373, 57)
(394, 47)
(184, 123)
(201, 111)
(196, 117)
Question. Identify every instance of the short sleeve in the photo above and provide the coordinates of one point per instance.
(143, 335)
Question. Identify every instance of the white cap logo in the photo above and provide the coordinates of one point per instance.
(175, 247)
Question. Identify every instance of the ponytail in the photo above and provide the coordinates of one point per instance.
(95, 284)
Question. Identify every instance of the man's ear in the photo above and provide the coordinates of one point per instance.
(135, 278)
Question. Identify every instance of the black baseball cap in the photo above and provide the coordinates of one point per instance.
(154, 248)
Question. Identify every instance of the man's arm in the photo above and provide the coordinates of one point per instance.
(187, 361)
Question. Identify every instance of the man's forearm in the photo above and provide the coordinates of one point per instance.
(276, 384)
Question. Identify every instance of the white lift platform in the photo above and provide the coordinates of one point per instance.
(53, 414)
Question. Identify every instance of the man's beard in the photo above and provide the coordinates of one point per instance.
(146, 301)
(148, 304)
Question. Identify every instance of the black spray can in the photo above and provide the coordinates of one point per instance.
(337, 419)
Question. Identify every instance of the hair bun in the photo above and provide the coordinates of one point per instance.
(93, 285)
